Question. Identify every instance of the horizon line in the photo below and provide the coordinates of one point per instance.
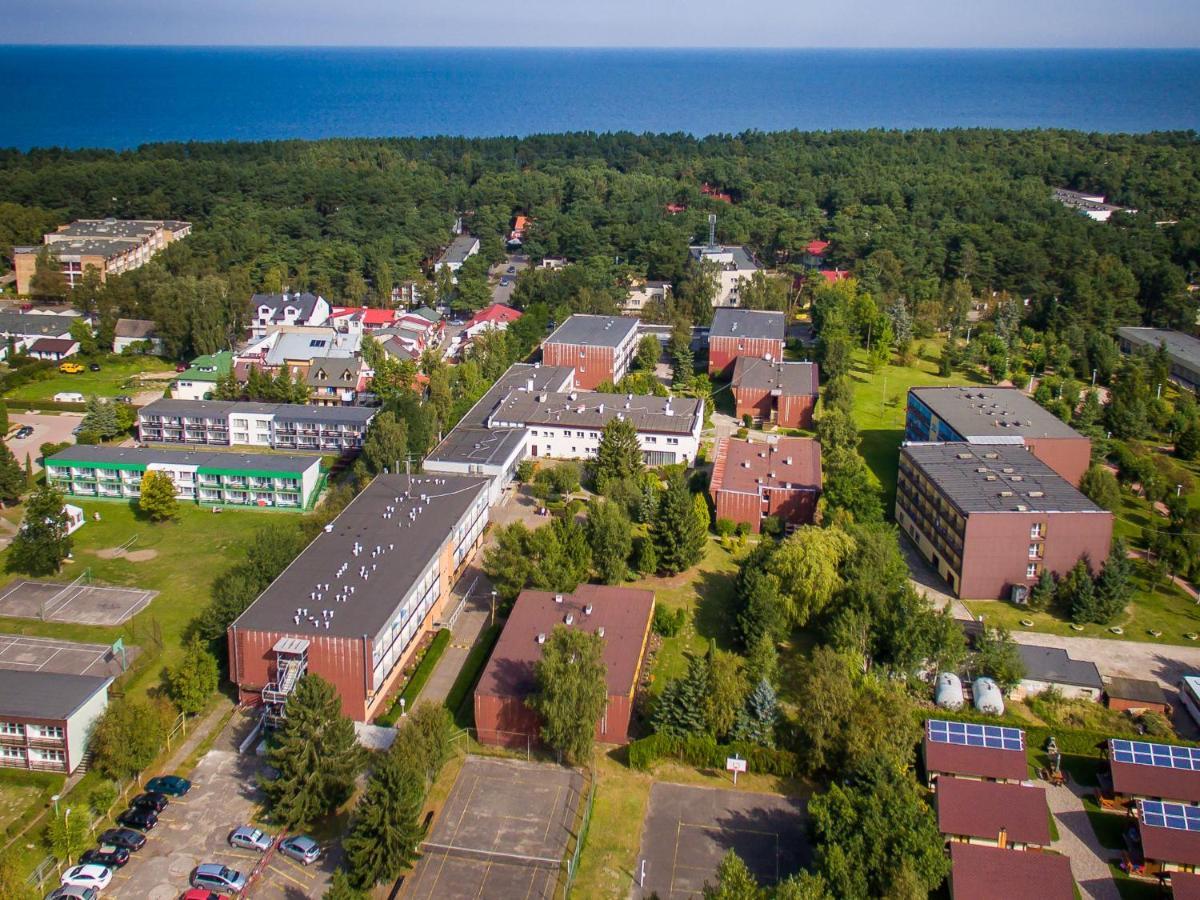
(658, 48)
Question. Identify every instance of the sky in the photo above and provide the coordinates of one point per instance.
(608, 23)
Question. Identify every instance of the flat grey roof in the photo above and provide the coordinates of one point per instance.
(460, 248)
(31, 323)
(408, 548)
(595, 331)
(591, 410)
(999, 478)
(747, 323)
(478, 446)
(789, 378)
(205, 459)
(1055, 666)
(1182, 348)
(989, 412)
(741, 259)
(287, 412)
(120, 228)
(46, 695)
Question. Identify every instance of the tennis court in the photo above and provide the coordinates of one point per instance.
(688, 830)
(502, 833)
(34, 654)
(79, 602)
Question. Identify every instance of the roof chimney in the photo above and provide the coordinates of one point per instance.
(1002, 838)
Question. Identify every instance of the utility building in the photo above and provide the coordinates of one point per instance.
(776, 393)
(598, 348)
(751, 481)
(736, 333)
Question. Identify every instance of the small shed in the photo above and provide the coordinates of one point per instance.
(948, 692)
(1136, 695)
(988, 698)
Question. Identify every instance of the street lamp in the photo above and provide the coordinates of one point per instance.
(493, 622)
(55, 798)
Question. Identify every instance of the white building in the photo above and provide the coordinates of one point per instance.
(273, 310)
(734, 265)
(46, 717)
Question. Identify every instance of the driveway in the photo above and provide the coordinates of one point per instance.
(46, 429)
(1165, 663)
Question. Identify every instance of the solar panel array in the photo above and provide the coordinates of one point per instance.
(1178, 816)
(1166, 756)
(970, 734)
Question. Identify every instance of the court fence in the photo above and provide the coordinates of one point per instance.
(57, 601)
(583, 821)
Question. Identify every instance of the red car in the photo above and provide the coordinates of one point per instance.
(199, 894)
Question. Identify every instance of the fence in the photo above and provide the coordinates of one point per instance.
(579, 835)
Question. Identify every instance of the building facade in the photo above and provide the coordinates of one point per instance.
(598, 348)
(990, 519)
(1183, 351)
(354, 604)
(200, 379)
(210, 478)
(733, 266)
(737, 333)
(751, 481)
(45, 718)
(270, 311)
(778, 393)
(278, 426)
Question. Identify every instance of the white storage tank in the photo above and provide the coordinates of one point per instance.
(948, 693)
(988, 698)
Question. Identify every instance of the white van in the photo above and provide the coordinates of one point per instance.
(68, 397)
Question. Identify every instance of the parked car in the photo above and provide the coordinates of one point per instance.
(89, 875)
(199, 894)
(141, 819)
(172, 785)
(24, 431)
(106, 855)
(70, 368)
(73, 893)
(504, 281)
(219, 878)
(181, 367)
(122, 398)
(301, 848)
(95, 367)
(250, 838)
(154, 800)
(131, 840)
(512, 270)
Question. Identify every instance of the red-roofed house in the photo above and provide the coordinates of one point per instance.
(715, 193)
(53, 349)
(980, 763)
(620, 615)
(784, 393)
(1133, 780)
(833, 276)
(814, 253)
(362, 318)
(676, 208)
(1168, 849)
(496, 317)
(751, 481)
(520, 223)
(993, 814)
(991, 873)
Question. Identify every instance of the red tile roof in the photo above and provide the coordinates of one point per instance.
(745, 467)
(980, 809)
(817, 248)
(979, 762)
(833, 276)
(1170, 845)
(371, 316)
(497, 312)
(674, 208)
(989, 873)
(1185, 886)
(623, 613)
(1137, 780)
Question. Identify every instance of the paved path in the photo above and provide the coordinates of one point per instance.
(1164, 663)
(1078, 841)
(468, 627)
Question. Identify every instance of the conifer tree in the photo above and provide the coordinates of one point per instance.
(618, 454)
(757, 717)
(12, 479)
(680, 707)
(1042, 594)
(1114, 586)
(610, 535)
(678, 538)
(386, 830)
(42, 542)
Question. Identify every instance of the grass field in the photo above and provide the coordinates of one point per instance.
(116, 376)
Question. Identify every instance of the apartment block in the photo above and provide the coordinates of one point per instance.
(1183, 351)
(45, 718)
(997, 416)
(204, 477)
(777, 393)
(278, 426)
(598, 348)
(110, 246)
(737, 333)
(733, 265)
(990, 519)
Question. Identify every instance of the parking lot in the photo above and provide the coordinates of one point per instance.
(46, 429)
(195, 829)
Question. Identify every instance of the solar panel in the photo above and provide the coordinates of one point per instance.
(1166, 756)
(971, 734)
(1177, 816)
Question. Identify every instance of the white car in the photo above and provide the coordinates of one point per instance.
(91, 876)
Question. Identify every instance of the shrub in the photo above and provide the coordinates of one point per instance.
(772, 526)
(748, 420)
(742, 433)
(420, 675)
(102, 798)
(667, 622)
(703, 751)
(743, 529)
(725, 527)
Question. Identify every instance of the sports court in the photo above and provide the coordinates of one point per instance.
(502, 833)
(689, 829)
(80, 602)
(35, 654)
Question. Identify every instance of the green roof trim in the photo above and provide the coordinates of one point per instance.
(221, 363)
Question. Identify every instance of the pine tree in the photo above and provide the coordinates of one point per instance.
(28, 471)
(734, 881)
(700, 508)
(316, 756)
(678, 538)
(157, 496)
(195, 679)
(610, 535)
(12, 479)
(618, 455)
(42, 542)
(1187, 442)
(340, 888)
(1076, 594)
(645, 557)
(101, 418)
(386, 830)
(680, 706)
(757, 718)
(1042, 594)
(1114, 587)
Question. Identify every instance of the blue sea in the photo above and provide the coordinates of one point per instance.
(120, 97)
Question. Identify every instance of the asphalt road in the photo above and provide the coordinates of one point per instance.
(46, 428)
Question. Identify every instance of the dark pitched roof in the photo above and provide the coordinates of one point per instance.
(52, 345)
(989, 873)
(981, 809)
(595, 331)
(747, 323)
(982, 478)
(791, 379)
(978, 762)
(1139, 780)
(1181, 348)
(623, 613)
(304, 302)
(1139, 690)
(1055, 666)
(1170, 845)
(460, 248)
(139, 329)
(745, 467)
(31, 324)
(334, 371)
(408, 547)
(46, 695)
(992, 412)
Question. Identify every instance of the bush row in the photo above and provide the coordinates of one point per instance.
(471, 670)
(46, 404)
(420, 675)
(703, 750)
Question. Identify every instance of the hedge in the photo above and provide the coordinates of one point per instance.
(46, 404)
(420, 675)
(471, 670)
(703, 750)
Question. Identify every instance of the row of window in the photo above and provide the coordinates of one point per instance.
(37, 754)
(41, 731)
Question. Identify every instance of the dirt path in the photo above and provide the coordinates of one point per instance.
(1078, 842)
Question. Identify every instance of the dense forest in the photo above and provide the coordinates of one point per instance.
(909, 212)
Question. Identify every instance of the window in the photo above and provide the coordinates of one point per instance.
(1031, 570)
(12, 753)
(1035, 531)
(47, 731)
(1033, 551)
(579, 434)
(47, 755)
(651, 440)
(12, 728)
(672, 440)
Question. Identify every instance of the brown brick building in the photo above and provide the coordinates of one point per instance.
(754, 333)
(598, 348)
(751, 481)
(620, 615)
(353, 606)
(783, 393)
(991, 518)
(994, 415)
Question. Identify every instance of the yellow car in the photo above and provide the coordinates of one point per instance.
(70, 368)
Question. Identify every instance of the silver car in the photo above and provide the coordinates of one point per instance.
(73, 892)
(301, 848)
(219, 878)
(249, 838)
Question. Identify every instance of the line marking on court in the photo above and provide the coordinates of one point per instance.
(46, 662)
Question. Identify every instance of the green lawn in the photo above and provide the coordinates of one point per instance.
(187, 556)
(116, 376)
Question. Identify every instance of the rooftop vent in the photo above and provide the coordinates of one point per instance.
(963, 455)
(569, 619)
(1007, 470)
(541, 638)
(600, 631)
(558, 598)
(587, 610)
(787, 460)
(1021, 507)
(1037, 493)
(991, 455)
(980, 469)
(1006, 493)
